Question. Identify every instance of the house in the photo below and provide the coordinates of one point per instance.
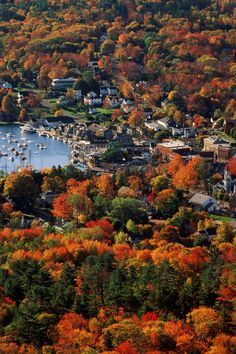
(96, 133)
(102, 38)
(62, 100)
(127, 105)
(77, 95)
(165, 103)
(189, 132)
(212, 143)
(124, 139)
(164, 122)
(153, 126)
(225, 152)
(170, 147)
(126, 129)
(112, 102)
(52, 122)
(92, 64)
(228, 183)
(208, 233)
(204, 202)
(93, 110)
(177, 131)
(34, 122)
(104, 90)
(5, 85)
(108, 90)
(222, 148)
(48, 198)
(63, 84)
(92, 99)
(112, 90)
(131, 131)
(22, 96)
(148, 112)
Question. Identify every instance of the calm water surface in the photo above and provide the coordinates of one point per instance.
(56, 153)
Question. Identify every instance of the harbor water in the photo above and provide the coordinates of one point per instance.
(22, 149)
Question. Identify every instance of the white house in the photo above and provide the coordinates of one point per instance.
(53, 122)
(127, 105)
(203, 201)
(177, 131)
(153, 126)
(164, 122)
(112, 90)
(108, 90)
(92, 99)
(104, 90)
(112, 102)
(77, 95)
(63, 84)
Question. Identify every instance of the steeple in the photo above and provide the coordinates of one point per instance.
(227, 181)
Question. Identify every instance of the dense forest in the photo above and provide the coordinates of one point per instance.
(110, 280)
(103, 275)
(187, 47)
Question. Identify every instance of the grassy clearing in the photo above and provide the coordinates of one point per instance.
(221, 218)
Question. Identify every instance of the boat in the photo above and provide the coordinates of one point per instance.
(42, 147)
(27, 128)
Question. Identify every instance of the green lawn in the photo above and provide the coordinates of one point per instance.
(221, 218)
(104, 111)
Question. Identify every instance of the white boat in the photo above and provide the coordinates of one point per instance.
(27, 128)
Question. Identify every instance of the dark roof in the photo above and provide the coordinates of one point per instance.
(63, 119)
(211, 231)
(24, 93)
(148, 109)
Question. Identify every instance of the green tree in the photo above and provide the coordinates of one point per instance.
(124, 209)
(9, 105)
(21, 188)
(30, 326)
(225, 233)
(107, 47)
(95, 273)
(159, 183)
(81, 85)
(63, 291)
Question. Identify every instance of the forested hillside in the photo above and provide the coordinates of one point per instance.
(124, 264)
(185, 46)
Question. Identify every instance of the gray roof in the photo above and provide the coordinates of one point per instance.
(199, 199)
(164, 120)
(217, 140)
